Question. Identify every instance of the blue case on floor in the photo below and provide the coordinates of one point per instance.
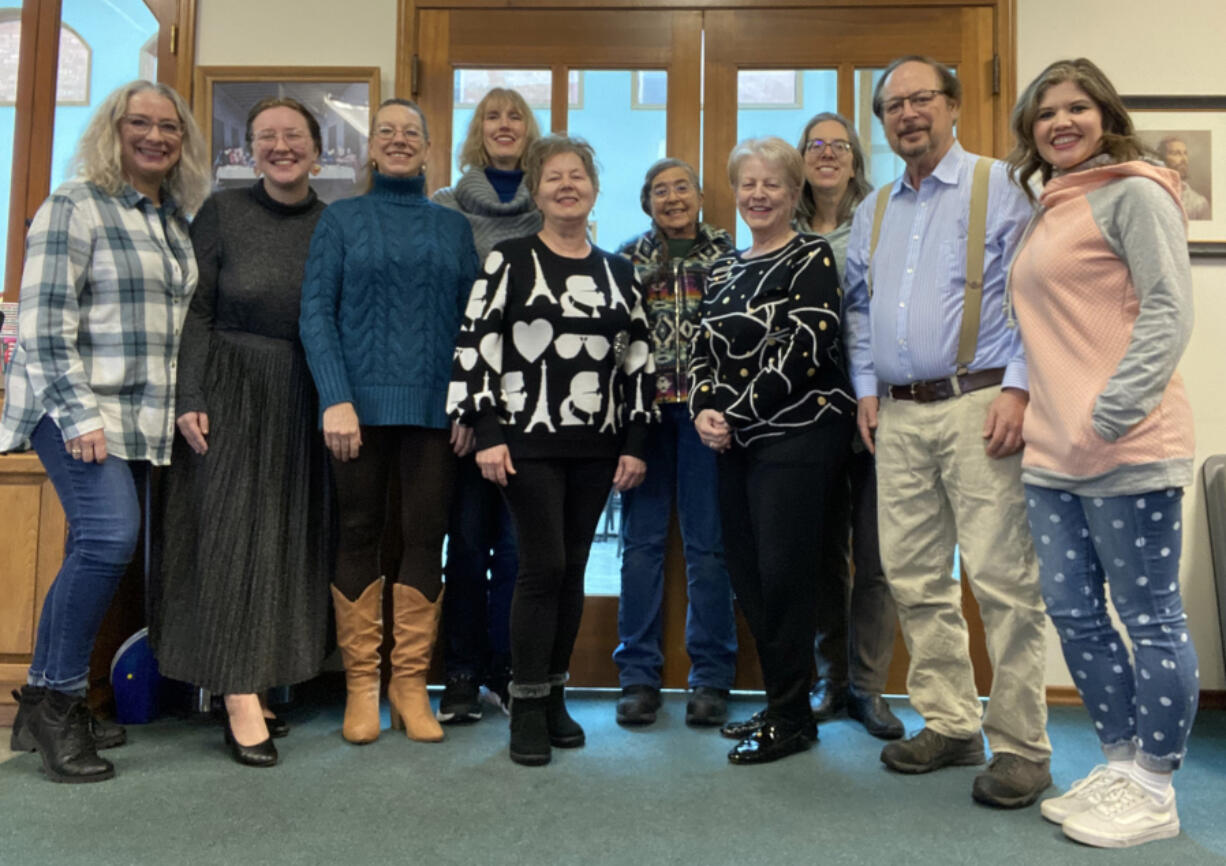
(136, 681)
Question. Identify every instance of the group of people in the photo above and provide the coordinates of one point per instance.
(976, 347)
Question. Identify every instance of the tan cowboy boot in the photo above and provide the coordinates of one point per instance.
(359, 633)
(416, 627)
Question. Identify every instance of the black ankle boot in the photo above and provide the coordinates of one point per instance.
(530, 731)
(28, 700)
(564, 732)
(60, 725)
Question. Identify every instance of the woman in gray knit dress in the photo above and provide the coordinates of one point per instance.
(244, 600)
(476, 612)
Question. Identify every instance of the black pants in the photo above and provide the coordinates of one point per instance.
(425, 465)
(855, 613)
(555, 505)
(776, 497)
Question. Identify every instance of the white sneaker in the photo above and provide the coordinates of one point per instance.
(1125, 815)
(1081, 795)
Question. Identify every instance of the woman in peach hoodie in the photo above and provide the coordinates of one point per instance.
(1103, 293)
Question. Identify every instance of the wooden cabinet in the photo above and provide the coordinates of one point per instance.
(30, 556)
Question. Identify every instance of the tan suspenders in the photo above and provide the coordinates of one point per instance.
(972, 304)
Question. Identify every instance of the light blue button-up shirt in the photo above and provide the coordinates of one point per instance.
(908, 331)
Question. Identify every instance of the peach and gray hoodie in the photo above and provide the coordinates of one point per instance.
(1102, 286)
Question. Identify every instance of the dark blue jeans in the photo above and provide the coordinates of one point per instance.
(677, 464)
(103, 513)
(477, 609)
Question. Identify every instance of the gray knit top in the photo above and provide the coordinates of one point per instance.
(492, 220)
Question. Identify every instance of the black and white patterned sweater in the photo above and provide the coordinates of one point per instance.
(768, 353)
(554, 355)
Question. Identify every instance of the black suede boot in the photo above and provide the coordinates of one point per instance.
(530, 731)
(61, 728)
(564, 732)
(28, 700)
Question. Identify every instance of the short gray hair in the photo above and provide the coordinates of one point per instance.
(773, 150)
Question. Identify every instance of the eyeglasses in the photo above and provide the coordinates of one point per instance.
(141, 125)
(386, 132)
(840, 146)
(681, 187)
(919, 99)
(293, 137)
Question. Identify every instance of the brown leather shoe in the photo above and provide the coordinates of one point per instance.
(416, 625)
(359, 633)
(928, 751)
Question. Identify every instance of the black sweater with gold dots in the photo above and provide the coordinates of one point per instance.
(769, 351)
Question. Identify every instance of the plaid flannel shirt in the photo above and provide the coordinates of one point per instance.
(104, 294)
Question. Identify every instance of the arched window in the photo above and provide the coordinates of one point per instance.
(72, 80)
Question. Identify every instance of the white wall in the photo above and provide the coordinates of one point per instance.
(1171, 48)
(299, 33)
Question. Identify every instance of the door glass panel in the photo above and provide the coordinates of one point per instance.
(778, 102)
(108, 47)
(10, 55)
(623, 116)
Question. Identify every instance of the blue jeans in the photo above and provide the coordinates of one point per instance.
(477, 610)
(1131, 543)
(103, 513)
(677, 462)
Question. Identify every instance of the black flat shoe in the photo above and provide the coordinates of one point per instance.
(263, 754)
(277, 727)
(770, 743)
(874, 713)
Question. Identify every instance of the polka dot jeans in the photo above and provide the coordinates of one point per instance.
(1132, 544)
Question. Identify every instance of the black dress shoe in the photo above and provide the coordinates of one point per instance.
(741, 730)
(59, 725)
(707, 707)
(638, 705)
(277, 727)
(875, 714)
(262, 754)
(827, 700)
(770, 743)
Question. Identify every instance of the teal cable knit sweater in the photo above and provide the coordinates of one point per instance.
(386, 281)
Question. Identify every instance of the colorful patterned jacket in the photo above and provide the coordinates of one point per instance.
(673, 291)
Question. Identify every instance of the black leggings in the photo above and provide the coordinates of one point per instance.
(426, 466)
(555, 505)
(775, 498)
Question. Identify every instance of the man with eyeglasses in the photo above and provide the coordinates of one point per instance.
(941, 379)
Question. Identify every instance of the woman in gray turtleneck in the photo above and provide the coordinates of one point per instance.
(476, 613)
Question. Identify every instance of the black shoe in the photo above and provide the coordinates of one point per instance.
(875, 714)
(564, 732)
(1011, 781)
(461, 701)
(770, 743)
(707, 707)
(277, 727)
(827, 700)
(530, 744)
(107, 734)
(59, 725)
(928, 751)
(638, 705)
(741, 730)
(262, 754)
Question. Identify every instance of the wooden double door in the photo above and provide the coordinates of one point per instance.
(695, 81)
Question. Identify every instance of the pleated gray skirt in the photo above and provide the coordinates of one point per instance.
(242, 601)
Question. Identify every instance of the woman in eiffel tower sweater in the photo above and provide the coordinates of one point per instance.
(553, 370)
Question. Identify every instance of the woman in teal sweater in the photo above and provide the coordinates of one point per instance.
(388, 276)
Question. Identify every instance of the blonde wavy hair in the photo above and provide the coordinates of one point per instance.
(472, 152)
(99, 153)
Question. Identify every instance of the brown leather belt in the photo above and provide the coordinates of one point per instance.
(934, 390)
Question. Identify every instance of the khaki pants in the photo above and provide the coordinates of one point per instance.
(938, 487)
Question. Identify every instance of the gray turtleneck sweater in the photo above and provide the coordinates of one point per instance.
(492, 220)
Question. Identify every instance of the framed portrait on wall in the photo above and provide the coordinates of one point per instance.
(1188, 133)
(340, 97)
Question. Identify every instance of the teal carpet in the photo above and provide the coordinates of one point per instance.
(657, 795)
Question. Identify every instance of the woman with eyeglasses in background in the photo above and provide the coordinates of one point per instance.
(108, 277)
(386, 282)
(855, 615)
(244, 597)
